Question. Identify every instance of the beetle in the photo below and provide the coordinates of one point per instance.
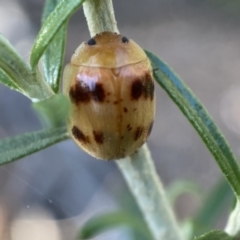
(110, 85)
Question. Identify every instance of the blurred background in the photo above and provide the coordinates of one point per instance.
(50, 194)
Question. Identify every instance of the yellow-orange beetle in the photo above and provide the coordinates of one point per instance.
(110, 85)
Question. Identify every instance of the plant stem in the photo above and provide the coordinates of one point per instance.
(138, 169)
(141, 176)
(100, 16)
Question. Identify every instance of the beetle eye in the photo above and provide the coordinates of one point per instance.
(91, 42)
(125, 40)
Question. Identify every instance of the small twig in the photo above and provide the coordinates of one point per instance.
(138, 170)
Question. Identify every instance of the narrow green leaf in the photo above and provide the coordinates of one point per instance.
(17, 147)
(6, 80)
(101, 223)
(51, 26)
(214, 235)
(19, 72)
(198, 116)
(54, 54)
(53, 111)
(13, 66)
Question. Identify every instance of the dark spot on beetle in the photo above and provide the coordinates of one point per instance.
(125, 39)
(98, 136)
(79, 93)
(91, 42)
(150, 128)
(148, 86)
(108, 101)
(125, 109)
(98, 93)
(116, 102)
(78, 134)
(122, 137)
(137, 89)
(108, 93)
(138, 133)
(129, 128)
(135, 109)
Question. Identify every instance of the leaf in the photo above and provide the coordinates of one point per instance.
(54, 54)
(17, 147)
(19, 73)
(12, 66)
(214, 235)
(103, 222)
(51, 26)
(198, 116)
(5, 80)
(53, 111)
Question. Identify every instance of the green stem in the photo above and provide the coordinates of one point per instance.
(143, 180)
(100, 16)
